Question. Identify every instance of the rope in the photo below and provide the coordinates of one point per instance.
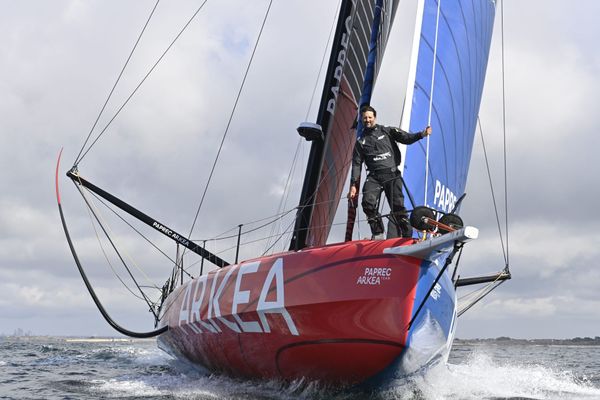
(286, 191)
(108, 259)
(141, 82)
(229, 122)
(437, 21)
(148, 302)
(102, 222)
(133, 228)
(90, 289)
(484, 292)
(116, 82)
(481, 293)
(289, 230)
(251, 230)
(487, 165)
(504, 133)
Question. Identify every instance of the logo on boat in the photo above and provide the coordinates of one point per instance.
(374, 276)
(210, 305)
(341, 59)
(443, 197)
(170, 233)
(436, 292)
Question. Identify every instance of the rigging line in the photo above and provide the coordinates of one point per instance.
(286, 191)
(325, 52)
(437, 22)
(142, 81)
(88, 285)
(248, 242)
(272, 219)
(108, 259)
(132, 227)
(229, 121)
(253, 229)
(116, 82)
(487, 165)
(504, 132)
(331, 171)
(467, 308)
(271, 235)
(288, 230)
(98, 217)
(477, 292)
(148, 302)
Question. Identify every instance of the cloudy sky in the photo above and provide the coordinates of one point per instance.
(59, 60)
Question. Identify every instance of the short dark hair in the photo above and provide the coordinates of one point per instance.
(366, 108)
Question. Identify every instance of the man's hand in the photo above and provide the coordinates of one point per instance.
(352, 192)
(427, 131)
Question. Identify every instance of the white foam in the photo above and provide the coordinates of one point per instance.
(126, 387)
(482, 377)
(188, 384)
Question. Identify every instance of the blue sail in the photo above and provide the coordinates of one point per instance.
(460, 39)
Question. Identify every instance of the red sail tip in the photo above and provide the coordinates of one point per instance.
(56, 176)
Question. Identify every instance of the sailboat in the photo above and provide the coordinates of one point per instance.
(358, 312)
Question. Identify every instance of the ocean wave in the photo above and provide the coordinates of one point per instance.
(182, 381)
(484, 377)
(131, 355)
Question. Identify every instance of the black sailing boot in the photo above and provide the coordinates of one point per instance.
(405, 227)
(376, 228)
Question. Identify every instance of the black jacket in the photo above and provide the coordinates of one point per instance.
(378, 150)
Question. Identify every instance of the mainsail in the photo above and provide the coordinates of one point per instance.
(361, 36)
(458, 33)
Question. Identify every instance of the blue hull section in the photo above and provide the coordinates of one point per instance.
(431, 333)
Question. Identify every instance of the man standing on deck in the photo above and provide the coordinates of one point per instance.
(378, 150)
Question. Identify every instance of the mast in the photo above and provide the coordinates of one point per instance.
(315, 158)
(362, 30)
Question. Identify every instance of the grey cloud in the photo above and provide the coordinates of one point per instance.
(60, 60)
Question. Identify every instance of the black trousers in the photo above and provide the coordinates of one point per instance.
(391, 184)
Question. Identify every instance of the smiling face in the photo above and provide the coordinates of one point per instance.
(368, 119)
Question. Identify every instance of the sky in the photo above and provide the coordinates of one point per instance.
(60, 59)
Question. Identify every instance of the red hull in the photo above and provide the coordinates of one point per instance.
(337, 314)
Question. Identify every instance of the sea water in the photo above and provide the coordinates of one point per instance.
(68, 368)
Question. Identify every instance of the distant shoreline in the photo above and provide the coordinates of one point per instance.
(577, 341)
(502, 340)
(77, 339)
